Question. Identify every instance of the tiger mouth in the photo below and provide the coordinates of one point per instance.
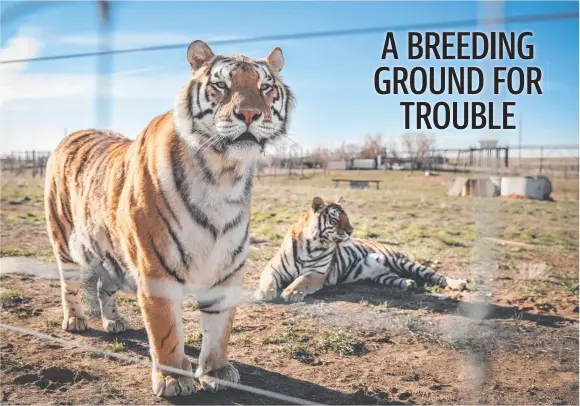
(247, 137)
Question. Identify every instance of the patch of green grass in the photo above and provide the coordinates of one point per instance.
(4, 277)
(417, 232)
(23, 190)
(433, 289)
(54, 284)
(85, 299)
(341, 342)
(126, 299)
(364, 303)
(297, 352)
(383, 307)
(30, 217)
(518, 314)
(245, 340)
(449, 240)
(117, 346)
(112, 390)
(288, 334)
(237, 329)
(194, 339)
(260, 255)
(531, 289)
(14, 297)
(471, 285)
(571, 286)
(17, 252)
(52, 323)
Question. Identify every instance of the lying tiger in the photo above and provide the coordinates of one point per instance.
(319, 250)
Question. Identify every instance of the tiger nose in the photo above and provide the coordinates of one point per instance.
(247, 116)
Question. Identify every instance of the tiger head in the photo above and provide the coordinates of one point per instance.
(326, 222)
(233, 105)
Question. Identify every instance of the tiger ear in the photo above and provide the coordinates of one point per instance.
(198, 53)
(339, 200)
(317, 204)
(276, 59)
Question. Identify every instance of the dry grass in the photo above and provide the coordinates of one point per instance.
(413, 213)
(357, 340)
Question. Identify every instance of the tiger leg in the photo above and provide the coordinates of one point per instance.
(304, 285)
(269, 285)
(373, 267)
(420, 273)
(90, 282)
(430, 277)
(113, 322)
(216, 327)
(162, 317)
(73, 312)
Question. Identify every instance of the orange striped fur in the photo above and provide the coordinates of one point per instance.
(167, 215)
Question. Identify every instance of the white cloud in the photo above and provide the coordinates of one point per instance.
(24, 45)
(16, 84)
(57, 100)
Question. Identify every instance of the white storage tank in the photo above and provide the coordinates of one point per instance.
(364, 164)
(538, 187)
(337, 165)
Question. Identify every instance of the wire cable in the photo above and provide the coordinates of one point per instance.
(238, 386)
(319, 34)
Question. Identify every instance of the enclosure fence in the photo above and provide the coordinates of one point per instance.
(34, 162)
(551, 160)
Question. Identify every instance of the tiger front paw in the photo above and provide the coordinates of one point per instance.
(217, 380)
(409, 284)
(456, 284)
(264, 295)
(119, 325)
(293, 295)
(75, 324)
(166, 385)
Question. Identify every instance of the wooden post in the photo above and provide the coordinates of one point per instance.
(506, 151)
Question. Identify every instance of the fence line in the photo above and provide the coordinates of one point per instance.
(553, 160)
(20, 162)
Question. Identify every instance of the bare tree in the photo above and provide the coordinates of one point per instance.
(352, 150)
(418, 146)
(392, 148)
(373, 146)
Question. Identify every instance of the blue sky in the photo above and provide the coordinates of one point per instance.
(331, 77)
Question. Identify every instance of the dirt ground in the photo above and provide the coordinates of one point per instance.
(512, 340)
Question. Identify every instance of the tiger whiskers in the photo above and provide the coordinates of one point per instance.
(208, 144)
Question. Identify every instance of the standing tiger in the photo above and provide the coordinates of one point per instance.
(319, 250)
(167, 215)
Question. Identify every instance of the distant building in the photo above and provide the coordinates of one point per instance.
(487, 143)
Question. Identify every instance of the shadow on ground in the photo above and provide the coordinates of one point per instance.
(376, 295)
(135, 342)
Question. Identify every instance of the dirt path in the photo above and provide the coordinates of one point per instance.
(348, 345)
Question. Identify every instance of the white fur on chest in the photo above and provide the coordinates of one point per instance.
(217, 247)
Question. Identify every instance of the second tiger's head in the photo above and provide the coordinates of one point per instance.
(329, 222)
(233, 105)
